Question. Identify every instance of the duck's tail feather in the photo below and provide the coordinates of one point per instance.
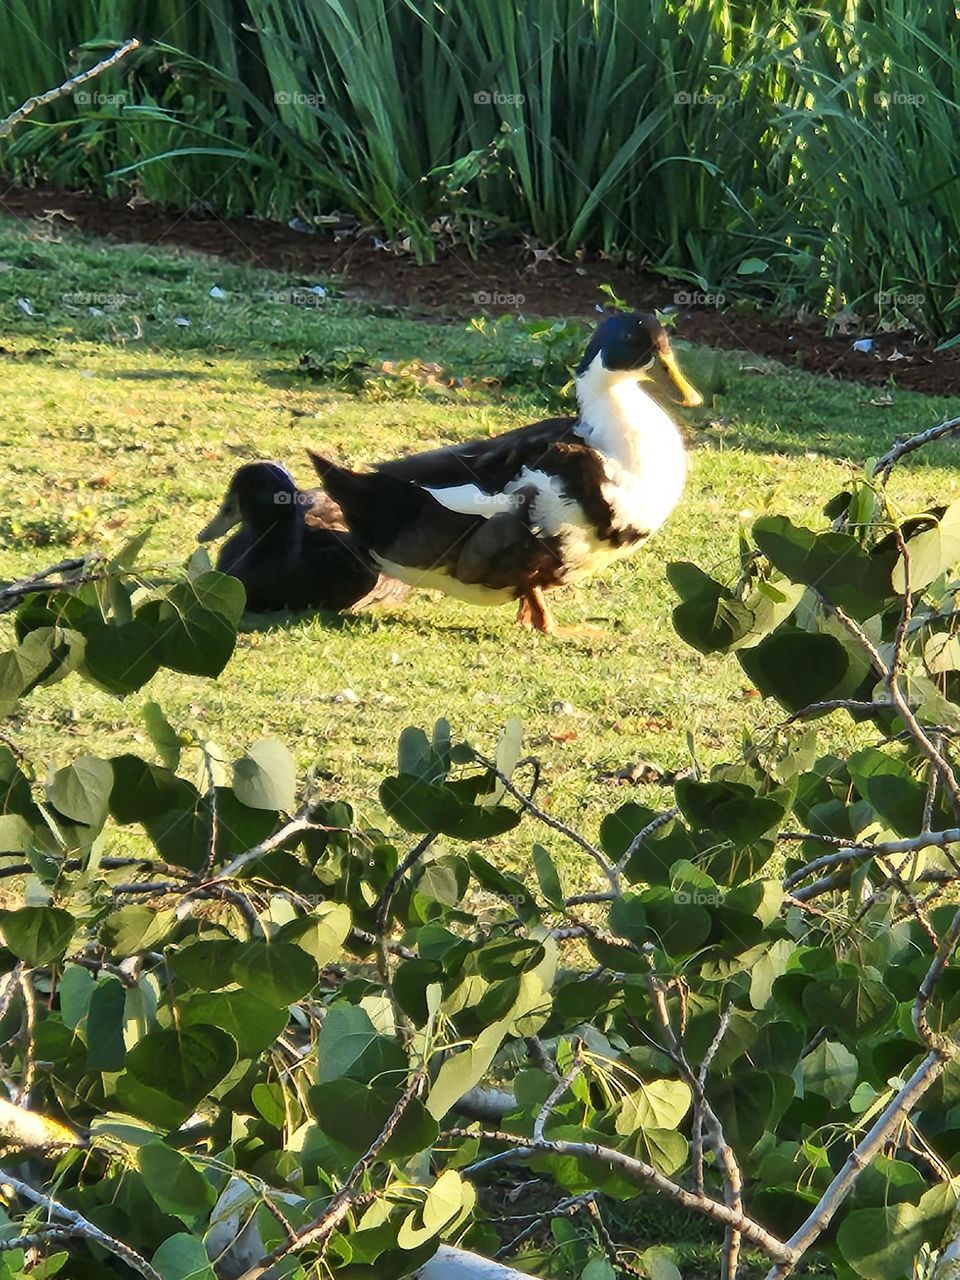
(375, 505)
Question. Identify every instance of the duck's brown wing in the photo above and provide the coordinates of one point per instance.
(322, 511)
(489, 464)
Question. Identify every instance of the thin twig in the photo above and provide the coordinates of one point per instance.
(527, 804)
(10, 122)
(295, 826)
(634, 1171)
(640, 839)
(884, 465)
(319, 1231)
(78, 1225)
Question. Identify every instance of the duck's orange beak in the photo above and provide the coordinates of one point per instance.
(690, 397)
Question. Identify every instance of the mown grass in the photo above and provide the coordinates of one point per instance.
(104, 433)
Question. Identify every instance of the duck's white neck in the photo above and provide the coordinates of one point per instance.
(625, 424)
(619, 419)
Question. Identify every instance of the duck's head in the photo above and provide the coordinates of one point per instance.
(628, 344)
(261, 494)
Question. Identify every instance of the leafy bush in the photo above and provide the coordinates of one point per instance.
(242, 1023)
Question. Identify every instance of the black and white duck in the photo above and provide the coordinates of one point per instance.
(292, 550)
(505, 518)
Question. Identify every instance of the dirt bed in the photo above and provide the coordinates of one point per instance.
(504, 277)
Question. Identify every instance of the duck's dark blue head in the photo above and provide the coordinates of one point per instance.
(630, 342)
(261, 495)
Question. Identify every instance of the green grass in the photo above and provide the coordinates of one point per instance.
(103, 434)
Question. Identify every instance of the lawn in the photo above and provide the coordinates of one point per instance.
(118, 416)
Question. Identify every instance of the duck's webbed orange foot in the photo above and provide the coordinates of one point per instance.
(534, 614)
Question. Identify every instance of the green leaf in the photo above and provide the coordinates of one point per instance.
(106, 1049)
(253, 1023)
(266, 777)
(752, 267)
(796, 667)
(508, 957)
(419, 806)
(75, 989)
(278, 972)
(661, 1104)
(197, 623)
(356, 1114)
(122, 657)
(598, 1269)
(854, 1005)
(766, 969)
(674, 920)
(510, 888)
(462, 1071)
(37, 935)
(142, 791)
(183, 1257)
(883, 1244)
(321, 934)
(731, 808)
(666, 1149)
(23, 667)
(81, 791)
(177, 1186)
(709, 617)
(417, 758)
(931, 553)
(350, 1045)
(167, 742)
(133, 930)
(890, 789)
(547, 876)
(831, 1070)
(744, 1102)
(206, 963)
(169, 1071)
(445, 1200)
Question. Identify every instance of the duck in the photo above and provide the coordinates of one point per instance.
(508, 517)
(292, 549)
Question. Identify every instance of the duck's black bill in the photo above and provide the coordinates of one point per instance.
(225, 519)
